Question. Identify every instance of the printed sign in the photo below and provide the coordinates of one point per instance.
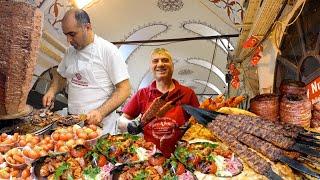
(163, 128)
(313, 90)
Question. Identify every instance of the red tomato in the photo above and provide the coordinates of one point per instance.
(93, 135)
(213, 168)
(135, 158)
(116, 153)
(14, 173)
(47, 138)
(83, 135)
(224, 153)
(157, 161)
(195, 160)
(22, 142)
(63, 149)
(4, 135)
(148, 145)
(78, 152)
(18, 158)
(63, 137)
(93, 127)
(102, 161)
(4, 175)
(33, 154)
(69, 135)
(180, 169)
(56, 136)
(25, 173)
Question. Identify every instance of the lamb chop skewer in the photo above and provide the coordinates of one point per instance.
(269, 150)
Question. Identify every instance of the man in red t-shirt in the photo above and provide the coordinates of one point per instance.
(163, 131)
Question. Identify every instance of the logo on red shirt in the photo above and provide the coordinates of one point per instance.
(163, 128)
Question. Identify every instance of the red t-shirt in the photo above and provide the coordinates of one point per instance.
(164, 131)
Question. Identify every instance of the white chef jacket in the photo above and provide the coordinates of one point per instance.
(91, 75)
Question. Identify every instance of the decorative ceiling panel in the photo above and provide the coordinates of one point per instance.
(123, 20)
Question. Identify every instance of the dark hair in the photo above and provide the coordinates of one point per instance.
(82, 17)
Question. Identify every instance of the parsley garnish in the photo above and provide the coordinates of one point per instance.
(211, 158)
(132, 150)
(207, 144)
(130, 136)
(169, 177)
(91, 172)
(182, 154)
(141, 175)
(60, 170)
(103, 145)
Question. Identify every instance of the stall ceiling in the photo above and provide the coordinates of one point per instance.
(200, 64)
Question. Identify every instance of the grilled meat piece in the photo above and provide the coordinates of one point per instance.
(267, 149)
(256, 162)
(287, 130)
(247, 126)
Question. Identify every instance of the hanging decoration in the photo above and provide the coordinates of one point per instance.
(235, 82)
(253, 42)
(234, 9)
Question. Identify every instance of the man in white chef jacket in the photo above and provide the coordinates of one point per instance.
(93, 70)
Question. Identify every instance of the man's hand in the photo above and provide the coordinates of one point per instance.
(123, 123)
(57, 84)
(94, 117)
(48, 98)
(126, 124)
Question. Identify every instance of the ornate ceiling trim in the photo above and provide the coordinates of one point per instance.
(204, 29)
(170, 5)
(145, 32)
(185, 72)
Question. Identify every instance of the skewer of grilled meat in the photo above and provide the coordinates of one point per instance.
(269, 150)
(169, 105)
(154, 108)
(204, 117)
(244, 122)
(270, 136)
(288, 130)
(256, 162)
(283, 129)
